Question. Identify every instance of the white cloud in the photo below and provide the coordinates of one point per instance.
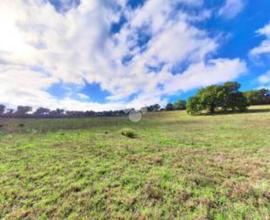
(264, 80)
(231, 8)
(203, 74)
(83, 96)
(40, 47)
(264, 47)
(22, 86)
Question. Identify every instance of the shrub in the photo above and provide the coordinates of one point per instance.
(128, 132)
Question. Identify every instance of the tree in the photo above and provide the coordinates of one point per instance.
(258, 97)
(194, 105)
(90, 113)
(23, 110)
(9, 112)
(237, 102)
(230, 89)
(169, 107)
(265, 94)
(153, 108)
(42, 111)
(180, 105)
(253, 97)
(2, 109)
(57, 113)
(218, 97)
(211, 97)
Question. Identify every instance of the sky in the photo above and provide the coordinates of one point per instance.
(117, 54)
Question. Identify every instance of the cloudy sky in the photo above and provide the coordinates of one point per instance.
(112, 54)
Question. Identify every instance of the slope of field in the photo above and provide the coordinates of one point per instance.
(178, 167)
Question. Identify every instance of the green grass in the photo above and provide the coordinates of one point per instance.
(177, 167)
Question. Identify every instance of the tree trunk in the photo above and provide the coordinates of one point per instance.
(212, 109)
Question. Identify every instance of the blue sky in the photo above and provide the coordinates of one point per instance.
(101, 55)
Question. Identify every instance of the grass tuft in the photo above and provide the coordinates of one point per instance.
(128, 132)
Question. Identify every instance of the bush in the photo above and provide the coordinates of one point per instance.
(128, 132)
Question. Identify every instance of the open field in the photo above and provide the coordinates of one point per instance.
(178, 167)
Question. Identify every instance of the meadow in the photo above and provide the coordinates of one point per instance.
(176, 167)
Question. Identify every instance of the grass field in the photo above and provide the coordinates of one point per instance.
(177, 167)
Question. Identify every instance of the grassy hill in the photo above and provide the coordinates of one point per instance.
(177, 167)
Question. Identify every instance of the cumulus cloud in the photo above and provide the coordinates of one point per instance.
(231, 8)
(264, 47)
(21, 86)
(264, 80)
(263, 50)
(41, 46)
(214, 71)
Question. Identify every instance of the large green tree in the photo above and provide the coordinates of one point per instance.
(194, 105)
(217, 98)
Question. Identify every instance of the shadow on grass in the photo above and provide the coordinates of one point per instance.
(258, 110)
(236, 112)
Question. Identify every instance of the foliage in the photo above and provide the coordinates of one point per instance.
(128, 132)
(153, 108)
(180, 105)
(226, 97)
(218, 97)
(258, 97)
(26, 112)
(169, 107)
(194, 105)
(42, 111)
(23, 110)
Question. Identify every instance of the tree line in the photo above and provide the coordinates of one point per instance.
(211, 99)
(41, 112)
(226, 98)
